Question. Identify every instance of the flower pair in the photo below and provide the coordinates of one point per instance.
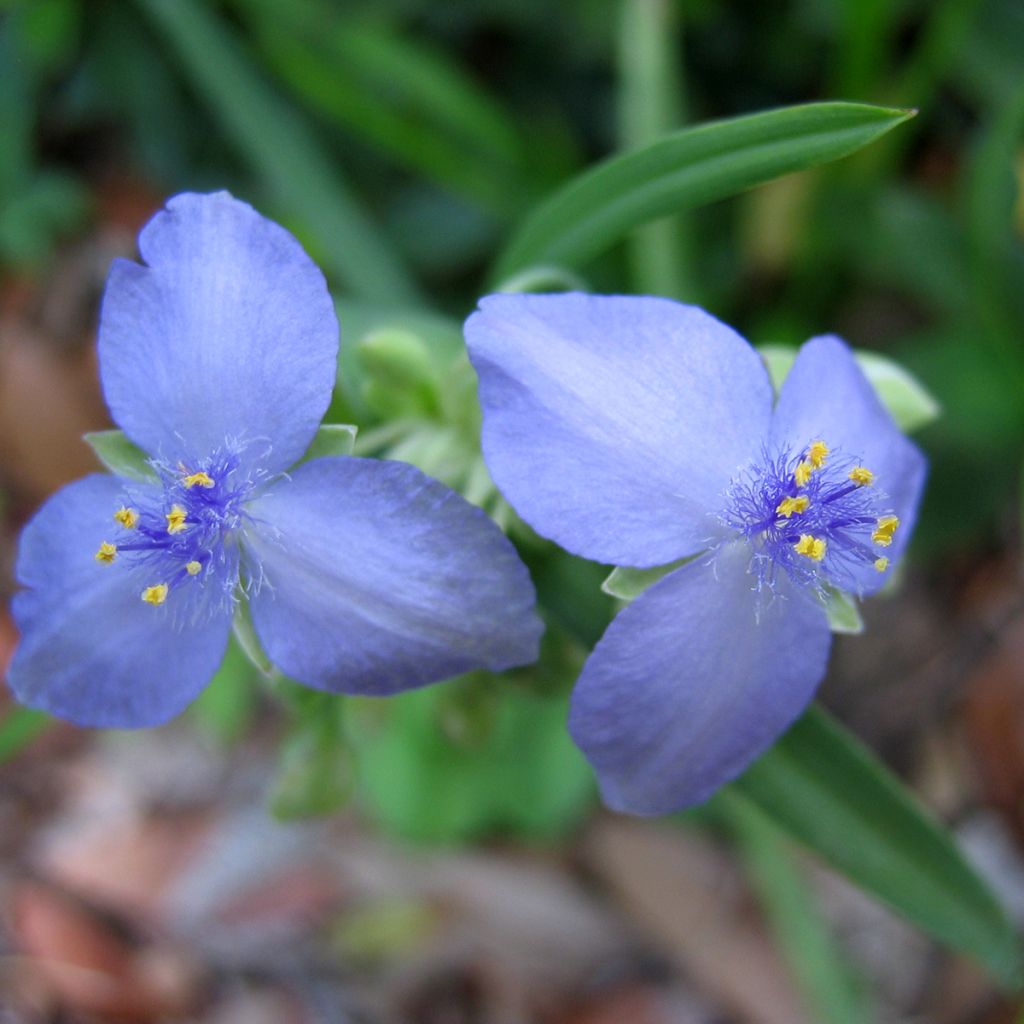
(218, 359)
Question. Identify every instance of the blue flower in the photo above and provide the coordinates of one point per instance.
(637, 431)
(218, 358)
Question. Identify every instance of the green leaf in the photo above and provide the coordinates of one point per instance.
(331, 439)
(686, 169)
(470, 757)
(120, 455)
(626, 583)
(825, 789)
(909, 403)
(19, 727)
(831, 991)
(281, 147)
(843, 613)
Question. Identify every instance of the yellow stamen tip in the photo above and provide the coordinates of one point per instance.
(193, 568)
(811, 547)
(862, 476)
(127, 517)
(176, 519)
(156, 594)
(802, 473)
(817, 453)
(107, 553)
(886, 528)
(199, 479)
(788, 506)
(881, 564)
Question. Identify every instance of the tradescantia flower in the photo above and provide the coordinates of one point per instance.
(638, 431)
(218, 358)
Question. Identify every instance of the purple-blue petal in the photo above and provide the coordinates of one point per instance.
(614, 424)
(694, 680)
(227, 333)
(378, 579)
(91, 650)
(826, 396)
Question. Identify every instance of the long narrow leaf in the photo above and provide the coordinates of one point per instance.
(686, 169)
(281, 147)
(827, 790)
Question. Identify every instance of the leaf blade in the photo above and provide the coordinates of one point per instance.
(822, 787)
(686, 169)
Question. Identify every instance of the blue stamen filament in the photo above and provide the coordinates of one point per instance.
(814, 514)
(185, 538)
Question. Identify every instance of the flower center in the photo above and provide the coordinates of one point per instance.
(817, 514)
(184, 536)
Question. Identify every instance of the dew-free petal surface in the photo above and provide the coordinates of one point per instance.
(379, 579)
(228, 331)
(91, 650)
(614, 424)
(827, 396)
(693, 680)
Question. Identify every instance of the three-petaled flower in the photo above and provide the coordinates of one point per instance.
(218, 359)
(638, 431)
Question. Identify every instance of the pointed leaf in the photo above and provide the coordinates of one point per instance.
(686, 169)
(824, 788)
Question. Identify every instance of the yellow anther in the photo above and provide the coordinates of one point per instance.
(156, 594)
(816, 453)
(811, 547)
(127, 517)
(176, 519)
(886, 528)
(193, 568)
(802, 473)
(881, 564)
(199, 479)
(107, 553)
(788, 506)
(862, 476)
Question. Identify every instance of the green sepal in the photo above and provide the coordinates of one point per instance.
(907, 400)
(120, 455)
(626, 583)
(331, 439)
(842, 611)
(248, 641)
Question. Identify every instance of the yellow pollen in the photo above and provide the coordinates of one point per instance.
(802, 473)
(816, 454)
(127, 517)
(199, 479)
(107, 553)
(193, 568)
(176, 519)
(862, 476)
(881, 564)
(811, 547)
(788, 506)
(156, 594)
(886, 528)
